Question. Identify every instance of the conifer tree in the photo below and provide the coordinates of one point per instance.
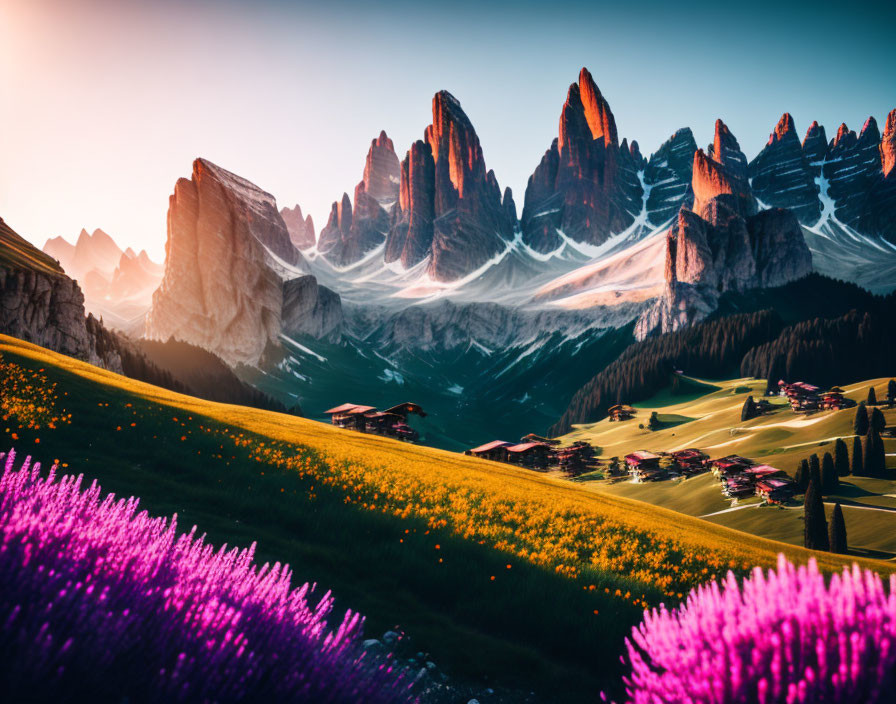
(829, 479)
(878, 422)
(891, 393)
(860, 424)
(815, 529)
(858, 467)
(841, 458)
(815, 468)
(872, 397)
(837, 535)
(802, 476)
(749, 409)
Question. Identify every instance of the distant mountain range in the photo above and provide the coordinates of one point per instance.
(117, 284)
(426, 278)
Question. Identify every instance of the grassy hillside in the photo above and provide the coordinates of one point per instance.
(17, 253)
(711, 422)
(502, 575)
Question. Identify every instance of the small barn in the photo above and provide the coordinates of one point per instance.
(533, 455)
(349, 415)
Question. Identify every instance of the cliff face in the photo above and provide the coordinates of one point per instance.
(586, 185)
(450, 207)
(312, 309)
(40, 304)
(228, 253)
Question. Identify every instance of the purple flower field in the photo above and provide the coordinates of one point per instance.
(785, 636)
(101, 602)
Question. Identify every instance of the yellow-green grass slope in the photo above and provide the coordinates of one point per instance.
(498, 572)
(781, 438)
(17, 253)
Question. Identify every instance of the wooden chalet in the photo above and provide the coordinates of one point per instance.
(621, 412)
(775, 490)
(690, 461)
(834, 400)
(349, 415)
(802, 396)
(534, 455)
(733, 464)
(762, 471)
(577, 458)
(495, 450)
(367, 419)
(644, 466)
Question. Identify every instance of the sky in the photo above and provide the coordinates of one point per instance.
(105, 103)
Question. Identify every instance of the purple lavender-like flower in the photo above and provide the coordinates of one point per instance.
(785, 636)
(101, 603)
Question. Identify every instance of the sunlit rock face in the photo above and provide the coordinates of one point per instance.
(587, 185)
(781, 173)
(221, 290)
(450, 208)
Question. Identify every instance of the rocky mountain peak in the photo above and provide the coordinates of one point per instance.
(454, 143)
(870, 131)
(784, 128)
(301, 228)
(888, 145)
(450, 206)
(726, 151)
(669, 172)
(783, 174)
(597, 111)
(230, 230)
(845, 137)
(711, 179)
(382, 170)
(815, 146)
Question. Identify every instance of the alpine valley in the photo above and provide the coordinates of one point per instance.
(430, 283)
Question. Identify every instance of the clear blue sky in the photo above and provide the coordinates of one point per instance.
(105, 103)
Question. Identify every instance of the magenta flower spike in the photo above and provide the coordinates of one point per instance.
(789, 635)
(102, 602)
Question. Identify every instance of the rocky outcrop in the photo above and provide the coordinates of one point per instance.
(382, 171)
(888, 145)
(312, 309)
(221, 289)
(450, 208)
(586, 186)
(781, 173)
(725, 149)
(722, 244)
(711, 178)
(300, 228)
(40, 304)
(410, 239)
(226, 287)
(352, 232)
(668, 175)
